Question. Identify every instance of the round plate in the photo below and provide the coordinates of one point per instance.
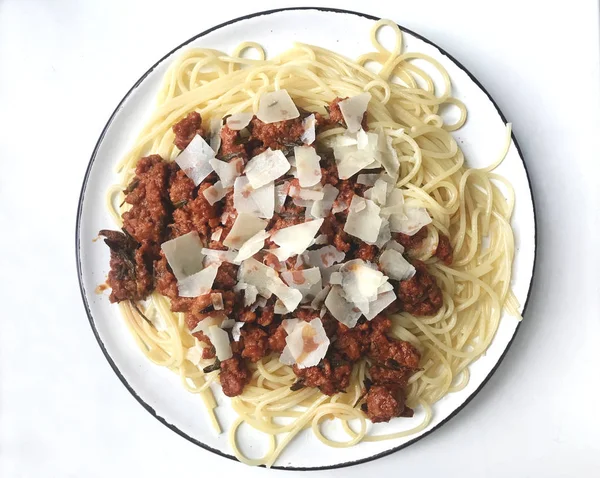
(158, 389)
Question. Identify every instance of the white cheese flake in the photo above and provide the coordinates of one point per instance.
(258, 202)
(295, 239)
(360, 283)
(220, 340)
(184, 254)
(281, 193)
(342, 310)
(363, 219)
(266, 167)
(307, 281)
(244, 227)
(238, 121)
(276, 106)
(194, 160)
(416, 218)
(217, 301)
(306, 344)
(236, 331)
(323, 257)
(395, 265)
(227, 172)
(252, 246)
(378, 306)
(353, 110)
(198, 284)
(215, 193)
(322, 207)
(309, 124)
(215, 134)
(308, 166)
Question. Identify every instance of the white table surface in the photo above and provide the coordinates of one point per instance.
(64, 65)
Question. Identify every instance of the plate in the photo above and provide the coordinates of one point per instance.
(159, 390)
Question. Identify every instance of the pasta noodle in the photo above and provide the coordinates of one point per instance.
(472, 206)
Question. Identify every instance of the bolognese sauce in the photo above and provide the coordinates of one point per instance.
(166, 204)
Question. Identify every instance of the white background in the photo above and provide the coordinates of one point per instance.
(65, 64)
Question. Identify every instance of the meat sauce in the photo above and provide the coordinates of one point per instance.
(165, 204)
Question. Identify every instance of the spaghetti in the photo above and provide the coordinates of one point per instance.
(467, 205)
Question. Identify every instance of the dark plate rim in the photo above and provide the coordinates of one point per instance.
(78, 241)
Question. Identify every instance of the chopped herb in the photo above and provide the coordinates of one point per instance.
(214, 366)
(297, 385)
(180, 204)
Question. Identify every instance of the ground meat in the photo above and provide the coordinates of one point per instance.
(267, 314)
(414, 241)
(231, 146)
(186, 129)
(148, 217)
(420, 295)
(393, 353)
(306, 314)
(444, 249)
(335, 114)
(226, 276)
(256, 342)
(365, 251)
(130, 276)
(280, 135)
(209, 351)
(332, 375)
(234, 376)
(277, 339)
(383, 403)
(383, 375)
(333, 228)
(353, 343)
(181, 188)
(197, 215)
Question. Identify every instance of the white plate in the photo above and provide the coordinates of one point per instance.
(158, 389)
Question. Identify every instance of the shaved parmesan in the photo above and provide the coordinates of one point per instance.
(217, 301)
(288, 296)
(342, 310)
(199, 283)
(215, 134)
(216, 319)
(350, 161)
(367, 179)
(258, 202)
(307, 281)
(276, 106)
(307, 163)
(395, 265)
(321, 239)
(194, 160)
(244, 227)
(395, 245)
(215, 193)
(294, 240)
(217, 256)
(323, 257)
(184, 254)
(257, 274)
(394, 204)
(216, 235)
(236, 331)
(289, 325)
(385, 233)
(353, 110)
(194, 353)
(252, 246)
(322, 207)
(319, 299)
(309, 123)
(360, 283)
(379, 305)
(238, 121)
(378, 193)
(363, 219)
(416, 218)
(227, 323)
(227, 172)
(220, 340)
(306, 344)
(266, 167)
(281, 192)
(307, 194)
(388, 157)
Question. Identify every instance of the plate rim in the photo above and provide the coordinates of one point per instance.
(82, 289)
